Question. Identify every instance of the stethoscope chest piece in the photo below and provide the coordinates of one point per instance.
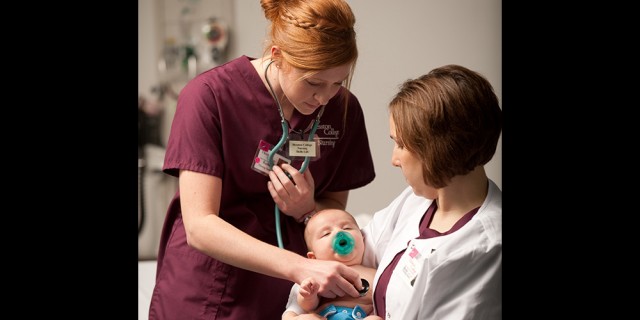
(364, 290)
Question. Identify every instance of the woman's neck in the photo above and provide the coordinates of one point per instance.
(461, 195)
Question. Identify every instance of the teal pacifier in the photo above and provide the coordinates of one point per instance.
(343, 243)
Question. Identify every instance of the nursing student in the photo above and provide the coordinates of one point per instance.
(233, 244)
(438, 245)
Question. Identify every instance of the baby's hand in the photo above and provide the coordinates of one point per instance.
(308, 288)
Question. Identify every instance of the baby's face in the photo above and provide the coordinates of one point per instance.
(322, 229)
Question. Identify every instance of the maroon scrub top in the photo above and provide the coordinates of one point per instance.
(221, 116)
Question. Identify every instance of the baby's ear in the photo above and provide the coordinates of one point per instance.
(311, 255)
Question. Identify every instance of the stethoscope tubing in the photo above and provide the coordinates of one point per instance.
(283, 139)
(305, 163)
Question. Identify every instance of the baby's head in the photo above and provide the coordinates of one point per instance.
(321, 231)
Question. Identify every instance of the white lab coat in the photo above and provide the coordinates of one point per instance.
(452, 277)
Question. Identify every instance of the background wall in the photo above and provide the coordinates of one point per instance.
(397, 40)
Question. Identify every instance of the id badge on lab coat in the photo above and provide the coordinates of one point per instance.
(405, 281)
(413, 260)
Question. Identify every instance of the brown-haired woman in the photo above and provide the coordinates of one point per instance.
(438, 245)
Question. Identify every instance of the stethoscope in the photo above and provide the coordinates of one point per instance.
(343, 242)
(283, 139)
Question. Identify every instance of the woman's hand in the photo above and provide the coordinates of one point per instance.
(294, 196)
(332, 278)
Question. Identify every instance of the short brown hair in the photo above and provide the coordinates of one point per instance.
(450, 119)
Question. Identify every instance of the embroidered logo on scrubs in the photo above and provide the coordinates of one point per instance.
(329, 135)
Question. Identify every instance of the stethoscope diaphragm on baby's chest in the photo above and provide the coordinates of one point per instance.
(364, 290)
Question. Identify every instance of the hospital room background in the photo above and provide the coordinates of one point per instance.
(397, 40)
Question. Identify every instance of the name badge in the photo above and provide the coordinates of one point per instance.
(261, 158)
(300, 148)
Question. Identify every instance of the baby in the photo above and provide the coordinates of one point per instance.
(333, 234)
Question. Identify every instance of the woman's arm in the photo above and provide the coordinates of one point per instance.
(200, 200)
